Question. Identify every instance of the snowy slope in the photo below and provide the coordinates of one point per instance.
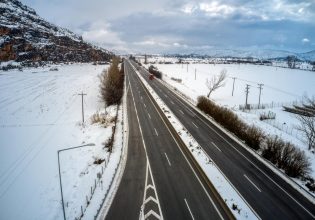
(25, 36)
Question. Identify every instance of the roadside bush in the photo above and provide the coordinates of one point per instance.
(283, 154)
(272, 149)
(297, 164)
(253, 136)
(286, 156)
(228, 119)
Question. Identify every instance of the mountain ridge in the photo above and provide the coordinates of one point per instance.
(26, 37)
(263, 54)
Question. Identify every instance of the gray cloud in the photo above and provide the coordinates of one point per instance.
(185, 25)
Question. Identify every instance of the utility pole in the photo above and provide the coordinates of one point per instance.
(187, 67)
(195, 73)
(145, 59)
(233, 85)
(82, 94)
(260, 85)
(246, 91)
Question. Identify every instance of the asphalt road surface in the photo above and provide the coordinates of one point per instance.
(159, 179)
(269, 195)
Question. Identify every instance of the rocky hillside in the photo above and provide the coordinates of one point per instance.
(27, 38)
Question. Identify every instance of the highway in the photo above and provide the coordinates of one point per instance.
(159, 177)
(268, 195)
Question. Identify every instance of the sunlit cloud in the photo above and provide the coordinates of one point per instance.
(305, 40)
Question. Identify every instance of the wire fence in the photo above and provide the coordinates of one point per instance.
(124, 125)
(98, 182)
(252, 107)
(290, 130)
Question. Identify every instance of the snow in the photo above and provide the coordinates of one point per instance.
(31, 20)
(227, 191)
(282, 86)
(40, 113)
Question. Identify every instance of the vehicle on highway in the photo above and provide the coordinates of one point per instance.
(151, 76)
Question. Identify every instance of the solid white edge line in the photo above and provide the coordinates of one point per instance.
(192, 216)
(169, 163)
(216, 146)
(252, 183)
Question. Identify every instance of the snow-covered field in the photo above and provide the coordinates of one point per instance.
(40, 113)
(282, 86)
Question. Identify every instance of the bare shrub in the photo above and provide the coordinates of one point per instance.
(253, 137)
(98, 118)
(109, 143)
(272, 149)
(266, 116)
(98, 161)
(286, 156)
(112, 119)
(298, 165)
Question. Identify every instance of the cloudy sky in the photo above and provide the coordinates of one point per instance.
(166, 26)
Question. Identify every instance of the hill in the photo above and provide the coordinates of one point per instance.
(27, 38)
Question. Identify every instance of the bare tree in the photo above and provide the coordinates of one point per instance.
(307, 123)
(216, 82)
